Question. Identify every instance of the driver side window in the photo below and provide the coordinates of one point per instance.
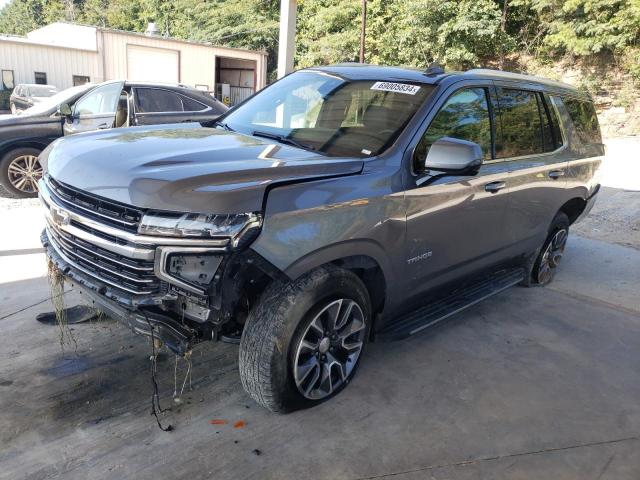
(464, 116)
(101, 100)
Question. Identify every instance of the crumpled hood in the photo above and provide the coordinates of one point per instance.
(184, 167)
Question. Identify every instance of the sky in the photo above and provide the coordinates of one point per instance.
(3, 3)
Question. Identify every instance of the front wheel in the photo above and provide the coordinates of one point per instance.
(20, 171)
(302, 343)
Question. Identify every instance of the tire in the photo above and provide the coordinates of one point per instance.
(25, 159)
(283, 332)
(545, 262)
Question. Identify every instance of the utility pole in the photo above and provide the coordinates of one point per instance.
(363, 29)
(287, 39)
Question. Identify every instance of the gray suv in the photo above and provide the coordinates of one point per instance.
(340, 204)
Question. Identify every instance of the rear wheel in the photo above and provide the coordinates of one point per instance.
(302, 343)
(20, 171)
(544, 267)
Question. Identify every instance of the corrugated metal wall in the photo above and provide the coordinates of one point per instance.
(60, 64)
(197, 62)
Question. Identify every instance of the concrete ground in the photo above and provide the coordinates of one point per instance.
(532, 384)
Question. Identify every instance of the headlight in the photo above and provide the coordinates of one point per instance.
(197, 224)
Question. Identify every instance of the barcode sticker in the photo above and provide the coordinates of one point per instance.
(396, 87)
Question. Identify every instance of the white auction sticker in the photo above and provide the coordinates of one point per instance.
(396, 87)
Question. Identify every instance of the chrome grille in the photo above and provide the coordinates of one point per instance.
(97, 208)
(132, 276)
(99, 239)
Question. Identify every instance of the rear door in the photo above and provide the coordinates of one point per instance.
(96, 110)
(156, 105)
(455, 224)
(530, 143)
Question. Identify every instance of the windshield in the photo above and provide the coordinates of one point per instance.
(44, 91)
(51, 103)
(330, 114)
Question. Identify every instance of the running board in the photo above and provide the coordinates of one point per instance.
(452, 303)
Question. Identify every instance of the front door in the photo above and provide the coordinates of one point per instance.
(455, 224)
(96, 110)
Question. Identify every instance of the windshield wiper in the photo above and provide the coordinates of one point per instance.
(225, 126)
(283, 139)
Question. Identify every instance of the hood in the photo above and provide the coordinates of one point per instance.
(185, 168)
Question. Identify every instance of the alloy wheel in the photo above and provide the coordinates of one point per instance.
(24, 172)
(329, 349)
(552, 256)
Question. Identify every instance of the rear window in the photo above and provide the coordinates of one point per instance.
(521, 124)
(585, 120)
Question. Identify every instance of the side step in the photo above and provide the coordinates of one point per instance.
(453, 302)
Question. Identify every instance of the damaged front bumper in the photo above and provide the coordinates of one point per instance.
(148, 321)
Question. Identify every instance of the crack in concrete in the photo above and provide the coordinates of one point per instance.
(510, 455)
(606, 466)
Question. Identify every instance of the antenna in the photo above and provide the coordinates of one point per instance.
(434, 69)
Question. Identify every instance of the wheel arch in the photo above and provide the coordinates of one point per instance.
(573, 208)
(363, 257)
(23, 143)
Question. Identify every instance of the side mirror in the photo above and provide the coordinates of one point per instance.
(64, 110)
(452, 155)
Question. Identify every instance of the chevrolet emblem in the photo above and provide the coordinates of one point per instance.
(59, 216)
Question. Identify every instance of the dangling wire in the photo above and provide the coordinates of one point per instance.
(155, 399)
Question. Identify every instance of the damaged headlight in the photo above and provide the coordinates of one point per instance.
(197, 224)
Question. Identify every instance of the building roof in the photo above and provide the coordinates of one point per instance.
(39, 38)
(169, 39)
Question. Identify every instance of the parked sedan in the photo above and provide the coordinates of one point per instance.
(114, 104)
(27, 95)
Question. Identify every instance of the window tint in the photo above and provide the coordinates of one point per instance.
(465, 116)
(521, 124)
(102, 99)
(191, 105)
(157, 100)
(552, 111)
(585, 120)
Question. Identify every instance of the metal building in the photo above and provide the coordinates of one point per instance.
(65, 54)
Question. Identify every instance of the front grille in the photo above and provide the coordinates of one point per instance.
(97, 208)
(127, 274)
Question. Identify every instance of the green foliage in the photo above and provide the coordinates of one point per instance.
(585, 27)
(456, 33)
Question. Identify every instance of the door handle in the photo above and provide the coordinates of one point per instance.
(494, 187)
(555, 174)
(102, 126)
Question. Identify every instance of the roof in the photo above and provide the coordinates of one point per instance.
(361, 71)
(160, 37)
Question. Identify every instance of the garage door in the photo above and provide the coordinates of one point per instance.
(152, 64)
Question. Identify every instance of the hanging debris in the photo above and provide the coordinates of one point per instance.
(56, 286)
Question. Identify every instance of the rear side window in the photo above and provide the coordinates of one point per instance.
(149, 100)
(585, 120)
(521, 124)
(191, 105)
(464, 116)
(552, 112)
